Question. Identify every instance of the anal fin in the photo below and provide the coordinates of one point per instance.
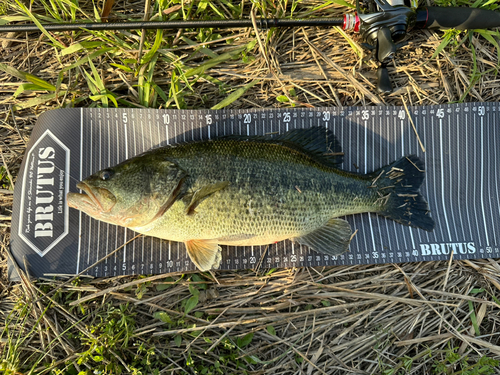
(205, 254)
(332, 238)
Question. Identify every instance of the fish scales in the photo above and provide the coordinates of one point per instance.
(261, 204)
(245, 191)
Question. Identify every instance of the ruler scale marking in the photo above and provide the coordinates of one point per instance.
(469, 171)
(478, 231)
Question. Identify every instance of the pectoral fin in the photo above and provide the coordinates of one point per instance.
(203, 193)
(332, 238)
(205, 254)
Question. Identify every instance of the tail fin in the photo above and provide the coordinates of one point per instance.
(398, 187)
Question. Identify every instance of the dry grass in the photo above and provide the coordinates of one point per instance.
(389, 319)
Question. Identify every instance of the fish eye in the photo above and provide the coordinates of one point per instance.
(106, 175)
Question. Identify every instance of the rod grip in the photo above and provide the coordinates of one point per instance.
(461, 18)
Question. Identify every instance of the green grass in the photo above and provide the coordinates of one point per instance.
(107, 339)
(120, 49)
(455, 364)
(87, 50)
(91, 49)
(453, 40)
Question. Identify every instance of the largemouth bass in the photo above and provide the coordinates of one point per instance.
(243, 190)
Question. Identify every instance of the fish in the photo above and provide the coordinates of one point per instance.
(251, 190)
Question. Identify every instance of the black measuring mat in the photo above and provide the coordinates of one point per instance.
(461, 184)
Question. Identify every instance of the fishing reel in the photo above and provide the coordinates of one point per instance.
(383, 25)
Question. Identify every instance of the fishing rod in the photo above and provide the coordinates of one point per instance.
(382, 24)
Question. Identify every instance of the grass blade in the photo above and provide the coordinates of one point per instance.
(7, 19)
(35, 20)
(473, 319)
(42, 99)
(447, 39)
(27, 87)
(235, 95)
(27, 77)
(490, 37)
(213, 62)
(89, 58)
(80, 46)
(157, 44)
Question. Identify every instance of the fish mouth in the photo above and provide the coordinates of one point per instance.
(88, 200)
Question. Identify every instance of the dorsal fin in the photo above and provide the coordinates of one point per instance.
(317, 142)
